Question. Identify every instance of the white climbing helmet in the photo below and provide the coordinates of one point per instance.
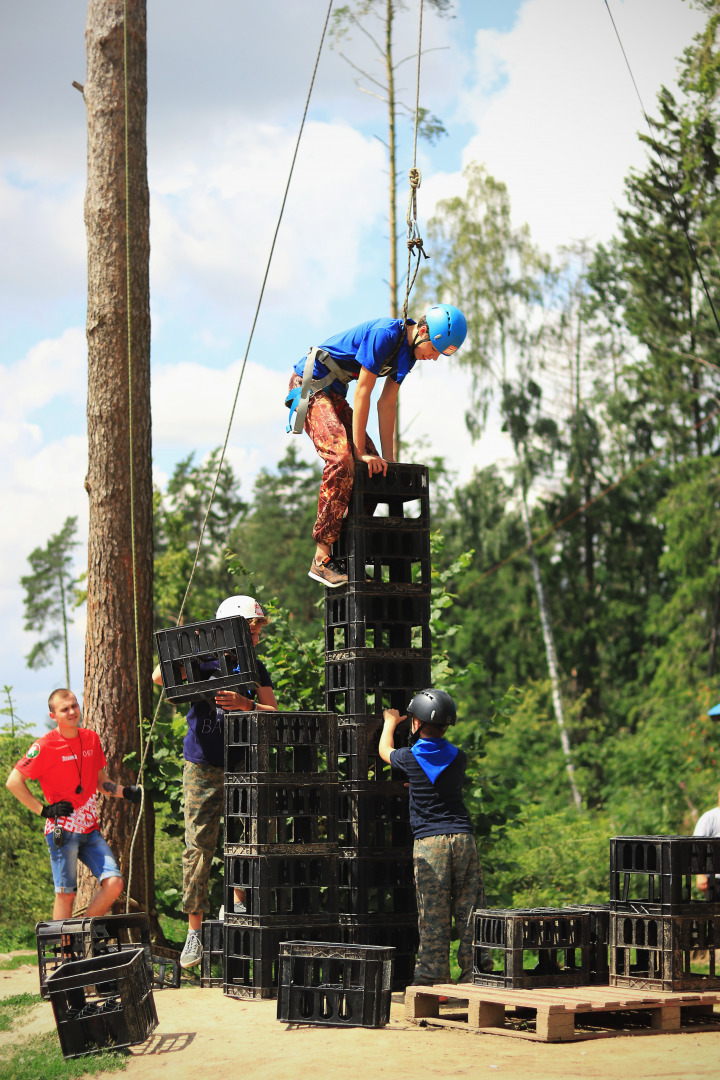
(246, 606)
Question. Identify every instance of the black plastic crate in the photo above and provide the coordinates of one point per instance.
(185, 652)
(660, 952)
(388, 550)
(404, 492)
(280, 887)
(276, 745)
(358, 759)
(166, 973)
(372, 819)
(251, 955)
(537, 946)
(212, 934)
(398, 931)
(653, 875)
(599, 919)
(335, 985)
(104, 1002)
(63, 941)
(358, 619)
(366, 687)
(377, 886)
(279, 814)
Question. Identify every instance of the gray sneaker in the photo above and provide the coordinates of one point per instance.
(192, 950)
(330, 572)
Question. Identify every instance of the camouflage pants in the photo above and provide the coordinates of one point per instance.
(328, 422)
(448, 881)
(203, 797)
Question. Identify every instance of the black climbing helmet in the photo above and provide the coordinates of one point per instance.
(433, 707)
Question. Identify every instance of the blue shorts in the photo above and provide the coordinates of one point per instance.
(90, 848)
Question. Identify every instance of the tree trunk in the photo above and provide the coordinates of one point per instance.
(117, 340)
(550, 655)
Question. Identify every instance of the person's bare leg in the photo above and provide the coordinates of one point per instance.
(62, 907)
(105, 897)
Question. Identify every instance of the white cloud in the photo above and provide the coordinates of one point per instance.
(433, 402)
(53, 368)
(561, 131)
(214, 214)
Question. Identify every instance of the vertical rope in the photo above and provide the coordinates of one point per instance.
(414, 240)
(128, 301)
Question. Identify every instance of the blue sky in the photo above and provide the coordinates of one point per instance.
(536, 89)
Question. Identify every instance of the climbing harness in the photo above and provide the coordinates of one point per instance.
(299, 398)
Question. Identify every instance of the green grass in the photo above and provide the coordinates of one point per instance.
(40, 1058)
(13, 1007)
(14, 962)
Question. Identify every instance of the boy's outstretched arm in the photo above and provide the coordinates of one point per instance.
(387, 414)
(361, 411)
(387, 737)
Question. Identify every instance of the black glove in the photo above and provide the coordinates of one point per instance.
(57, 809)
(132, 793)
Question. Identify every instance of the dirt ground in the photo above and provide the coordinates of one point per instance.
(203, 1034)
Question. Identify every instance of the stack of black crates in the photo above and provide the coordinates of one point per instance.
(378, 656)
(660, 937)
(280, 842)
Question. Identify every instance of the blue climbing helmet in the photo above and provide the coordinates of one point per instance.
(447, 327)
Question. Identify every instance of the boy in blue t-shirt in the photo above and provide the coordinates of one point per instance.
(448, 878)
(380, 348)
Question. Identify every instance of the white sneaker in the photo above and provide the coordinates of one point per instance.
(192, 950)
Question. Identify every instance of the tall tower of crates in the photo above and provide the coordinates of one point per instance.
(378, 654)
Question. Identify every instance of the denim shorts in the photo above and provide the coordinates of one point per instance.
(90, 848)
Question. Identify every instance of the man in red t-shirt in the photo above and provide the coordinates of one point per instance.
(69, 765)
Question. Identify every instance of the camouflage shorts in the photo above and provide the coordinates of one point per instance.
(203, 794)
(448, 880)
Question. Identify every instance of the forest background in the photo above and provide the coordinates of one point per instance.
(605, 370)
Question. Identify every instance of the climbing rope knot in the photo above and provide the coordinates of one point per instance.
(415, 178)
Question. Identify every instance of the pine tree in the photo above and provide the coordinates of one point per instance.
(49, 594)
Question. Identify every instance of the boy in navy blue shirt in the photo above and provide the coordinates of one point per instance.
(380, 348)
(204, 775)
(448, 878)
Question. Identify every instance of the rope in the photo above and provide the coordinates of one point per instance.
(232, 411)
(414, 240)
(656, 145)
(257, 312)
(128, 300)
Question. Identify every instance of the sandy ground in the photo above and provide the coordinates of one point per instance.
(203, 1034)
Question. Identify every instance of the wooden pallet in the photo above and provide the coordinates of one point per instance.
(558, 1014)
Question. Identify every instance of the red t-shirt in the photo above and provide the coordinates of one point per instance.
(59, 765)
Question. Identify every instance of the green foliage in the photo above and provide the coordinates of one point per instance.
(179, 516)
(296, 664)
(275, 538)
(553, 858)
(49, 592)
(15, 727)
(40, 1058)
(26, 887)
